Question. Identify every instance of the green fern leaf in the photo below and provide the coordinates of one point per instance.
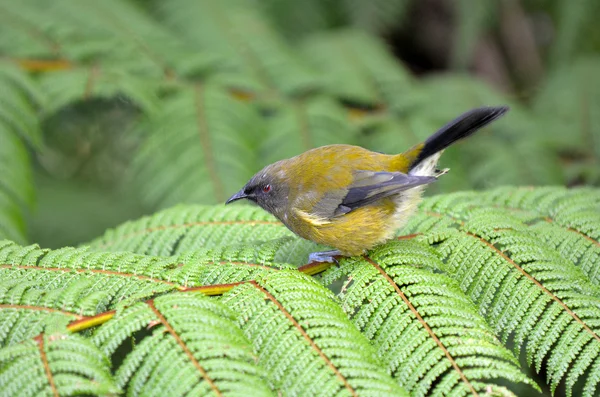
(425, 329)
(80, 84)
(572, 21)
(572, 96)
(304, 340)
(195, 349)
(265, 61)
(188, 228)
(111, 34)
(377, 15)
(56, 364)
(358, 68)
(567, 220)
(520, 285)
(19, 123)
(303, 125)
(174, 164)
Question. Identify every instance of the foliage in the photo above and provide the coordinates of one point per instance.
(435, 312)
(18, 128)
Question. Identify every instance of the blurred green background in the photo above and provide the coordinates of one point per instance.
(115, 108)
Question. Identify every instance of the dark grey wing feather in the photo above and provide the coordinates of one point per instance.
(370, 186)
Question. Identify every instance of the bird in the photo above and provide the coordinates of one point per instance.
(353, 199)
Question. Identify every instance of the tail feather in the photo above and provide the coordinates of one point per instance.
(461, 127)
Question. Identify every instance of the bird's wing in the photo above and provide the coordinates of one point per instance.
(370, 186)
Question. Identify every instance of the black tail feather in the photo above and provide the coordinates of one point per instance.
(461, 127)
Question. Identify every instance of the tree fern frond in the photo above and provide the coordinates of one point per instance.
(19, 123)
(222, 27)
(520, 285)
(303, 125)
(192, 227)
(569, 219)
(296, 20)
(572, 21)
(83, 83)
(20, 103)
(173, 164)
(19, 322)
(195, 348)
(358, 68)
(376, 15)
(572, 95)
(86, 33)
(86, 283)
(472, 21)
(426, 330)
(55, 364)
(304, 340)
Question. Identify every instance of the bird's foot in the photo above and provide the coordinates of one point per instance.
(324, 256)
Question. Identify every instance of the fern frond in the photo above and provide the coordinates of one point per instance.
(376, 15)
(86, 283)
(258, 60)
(305, 124)
(572, 95)
(358, 68)
(304, 340)
(174, 164)
(472, 21)
(192, 227)
(566, 219)
(19, 104)
(521, 286)
(89, 49)
(55, 364)
(86, 33)
(425, 329)
(19, 322)
(572, 21)
(83, 83)
(195, 349)
(19, 123)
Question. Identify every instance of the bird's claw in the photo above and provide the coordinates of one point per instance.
(324, 256)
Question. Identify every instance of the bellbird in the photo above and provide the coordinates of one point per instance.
(351, 198)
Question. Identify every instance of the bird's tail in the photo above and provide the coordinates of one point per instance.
(461, 127)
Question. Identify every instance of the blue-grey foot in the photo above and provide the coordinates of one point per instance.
(324, 256)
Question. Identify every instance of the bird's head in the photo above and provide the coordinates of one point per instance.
(269, 188)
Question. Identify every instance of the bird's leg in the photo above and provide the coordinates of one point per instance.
(324, 256)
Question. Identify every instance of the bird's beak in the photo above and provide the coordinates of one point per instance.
(238, 196)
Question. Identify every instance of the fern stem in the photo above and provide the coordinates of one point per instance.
(89, 322)
(423, 323)
(183, 346)
(43, 65)
(212, 290)
(313, 268)
(40, 342)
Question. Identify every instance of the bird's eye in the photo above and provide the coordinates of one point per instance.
(266, 188)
